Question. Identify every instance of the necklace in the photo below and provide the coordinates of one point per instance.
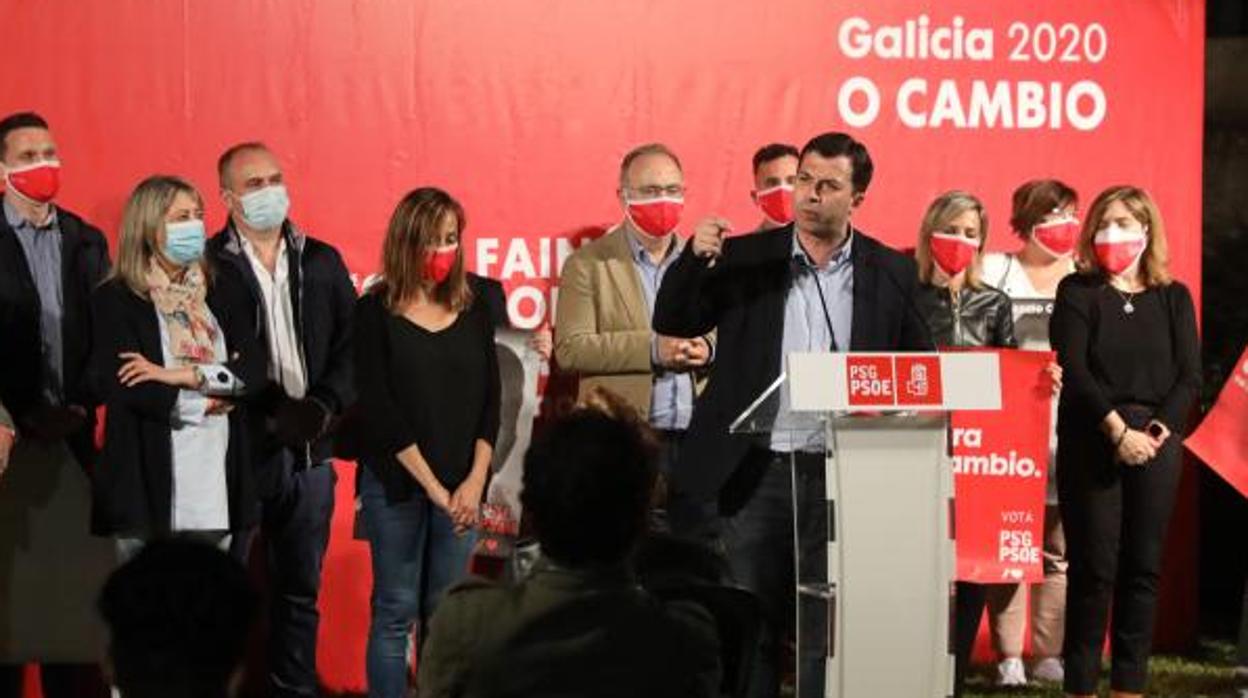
(1127, 306)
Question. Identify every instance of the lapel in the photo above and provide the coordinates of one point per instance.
(624, 280)
(862, 331)
(778, 251)
(146, 327)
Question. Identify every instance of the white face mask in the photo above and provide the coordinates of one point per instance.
(265, 209)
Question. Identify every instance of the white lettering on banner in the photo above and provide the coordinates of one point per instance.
(1081, 105)
(915, 39)
(1022, 105)
(865, 380)
(531, 300)
(845, 101)
(1016, 546)
(996, 465)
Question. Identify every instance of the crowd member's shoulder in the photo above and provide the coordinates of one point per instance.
(90, 234)
(876, 252)
(474, 597)
(1079, 289)
(1179, 294)
(994, 266)
(370, 303)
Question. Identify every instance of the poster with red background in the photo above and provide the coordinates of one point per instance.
(1221, 442)
(523, 109)
(1000, 469)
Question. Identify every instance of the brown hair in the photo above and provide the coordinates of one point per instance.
(141, 222)
(1154, 264)
(944, 209)
(1037, 199)
(412, 233)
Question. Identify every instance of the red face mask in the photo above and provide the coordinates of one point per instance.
(1057, 238)
(658, 216)
(38, 182)
(439, 263)
(777, 204)
(1117, 250)
(953, 253)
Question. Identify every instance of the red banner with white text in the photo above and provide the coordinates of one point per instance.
(523, 109)
(1000, 469)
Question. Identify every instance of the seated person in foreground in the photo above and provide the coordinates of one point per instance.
(579, 624)
(179, 617)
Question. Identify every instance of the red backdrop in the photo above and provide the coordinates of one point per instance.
(523, 109)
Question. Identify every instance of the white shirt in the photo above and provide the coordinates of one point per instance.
(200, 442)
(285, 352)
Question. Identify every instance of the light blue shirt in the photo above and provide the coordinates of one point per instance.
(806, 326)
(42, 247)
(671, 397)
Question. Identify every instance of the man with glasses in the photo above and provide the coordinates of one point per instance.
(606, 296)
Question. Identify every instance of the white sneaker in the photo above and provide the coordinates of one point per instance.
(1010, 672)
(1049, 670)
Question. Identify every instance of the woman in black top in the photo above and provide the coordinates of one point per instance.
(427, 375)
(960, 311)
(1125, 335)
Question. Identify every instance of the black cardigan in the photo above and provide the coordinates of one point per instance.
(132, 488)
(406, 399)
(1110, 359)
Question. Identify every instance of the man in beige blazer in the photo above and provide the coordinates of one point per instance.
(606, 297)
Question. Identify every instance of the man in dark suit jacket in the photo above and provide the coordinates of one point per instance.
(50, 260)
(817, 284)
(303, 300)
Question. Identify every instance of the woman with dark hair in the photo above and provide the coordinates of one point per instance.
(961, 311)
(1125, 335)
(1044, 217)
(173, 356)
(427, 375)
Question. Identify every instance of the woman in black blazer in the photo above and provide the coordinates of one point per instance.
(1125, 335)
(173, 356)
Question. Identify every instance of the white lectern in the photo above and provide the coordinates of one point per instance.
(874, 556)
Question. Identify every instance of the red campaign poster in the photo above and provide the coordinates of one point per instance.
(1221, 441)
(1000, 469)
(523, 110)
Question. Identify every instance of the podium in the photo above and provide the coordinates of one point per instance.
(872, 512)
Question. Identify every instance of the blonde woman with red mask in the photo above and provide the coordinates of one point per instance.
(1125, 334)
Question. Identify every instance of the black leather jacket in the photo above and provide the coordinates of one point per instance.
(975, 317)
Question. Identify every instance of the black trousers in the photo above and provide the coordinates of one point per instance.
(1116, 517)
(968, 611)
(295, 526)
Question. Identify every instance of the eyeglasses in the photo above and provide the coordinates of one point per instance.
(654, 190)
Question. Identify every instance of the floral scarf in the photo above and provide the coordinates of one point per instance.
(183, 305)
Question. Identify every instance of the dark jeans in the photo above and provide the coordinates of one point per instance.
(294, 527)
(58, 680)
(968, 611)
(1116, 518)
(758, 539)
(416, 556)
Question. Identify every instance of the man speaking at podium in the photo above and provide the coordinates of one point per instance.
(817, 284)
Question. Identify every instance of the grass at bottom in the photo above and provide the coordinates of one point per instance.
(1206, 673)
